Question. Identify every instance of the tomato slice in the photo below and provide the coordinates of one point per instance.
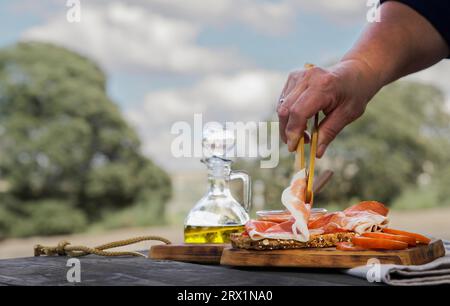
(348, 246)
(409, 240)
(379, 244)
(419, 238)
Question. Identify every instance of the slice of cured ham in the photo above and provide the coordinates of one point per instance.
(368, 206)
(258, 230)
(293, 198)
(367, 216)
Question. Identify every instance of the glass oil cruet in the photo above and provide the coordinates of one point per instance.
(218, 214)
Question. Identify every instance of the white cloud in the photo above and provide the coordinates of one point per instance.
(340, 7)
(160, 36)
(352, 12)
(269, 17)
(244, 96)
(124, 37)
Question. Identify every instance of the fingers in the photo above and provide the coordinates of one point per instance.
(283, 115)
(291, 91)
(306, 106)
(311, 91)
(289, 86)
(283, 111)
(306, 136)
(328, 130)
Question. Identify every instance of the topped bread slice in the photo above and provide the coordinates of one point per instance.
(243, 241)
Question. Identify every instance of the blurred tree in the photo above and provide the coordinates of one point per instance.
(63, 141)
(401, 138)
(443, 185)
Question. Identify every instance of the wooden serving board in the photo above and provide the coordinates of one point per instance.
(330, 257)
(198, 253)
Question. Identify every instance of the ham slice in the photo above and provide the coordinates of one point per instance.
(293, 198)
(367, 216)
(368, 206)
(258, 230)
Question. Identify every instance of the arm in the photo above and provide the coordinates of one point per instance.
(402, 43)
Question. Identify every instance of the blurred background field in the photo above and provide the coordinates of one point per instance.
(86, 110)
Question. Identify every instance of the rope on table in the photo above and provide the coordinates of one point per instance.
(64, 248)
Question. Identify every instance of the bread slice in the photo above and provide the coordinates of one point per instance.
(316, 241)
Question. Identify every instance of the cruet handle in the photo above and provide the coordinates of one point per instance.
(247, 184)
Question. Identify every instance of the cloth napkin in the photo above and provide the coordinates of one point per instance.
(436, 272)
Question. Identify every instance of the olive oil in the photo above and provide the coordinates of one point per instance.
(210, 234)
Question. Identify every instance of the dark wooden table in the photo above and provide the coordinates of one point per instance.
(140, 271)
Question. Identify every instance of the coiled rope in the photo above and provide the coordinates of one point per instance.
(64, 248)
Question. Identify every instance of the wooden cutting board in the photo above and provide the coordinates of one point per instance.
(330, 257)
(197, 253)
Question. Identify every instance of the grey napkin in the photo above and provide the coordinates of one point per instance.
(436, 272)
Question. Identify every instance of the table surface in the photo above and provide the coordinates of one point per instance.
(97, 270)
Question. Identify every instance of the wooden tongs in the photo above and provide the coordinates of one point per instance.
(300, 157)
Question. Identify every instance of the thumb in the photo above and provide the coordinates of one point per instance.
(329, 128)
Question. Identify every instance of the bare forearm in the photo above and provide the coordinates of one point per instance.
(402, 43)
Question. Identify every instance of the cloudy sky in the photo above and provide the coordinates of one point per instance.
(169, 59)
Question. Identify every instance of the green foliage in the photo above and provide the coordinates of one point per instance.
(418, 198)
(7, 216)
(443, 185)
(142, 213)
(47, 217)
(403, 134)
(63, 140)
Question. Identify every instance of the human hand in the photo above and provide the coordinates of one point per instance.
(342, 93)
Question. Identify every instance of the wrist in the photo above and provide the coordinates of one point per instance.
(360, 78)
